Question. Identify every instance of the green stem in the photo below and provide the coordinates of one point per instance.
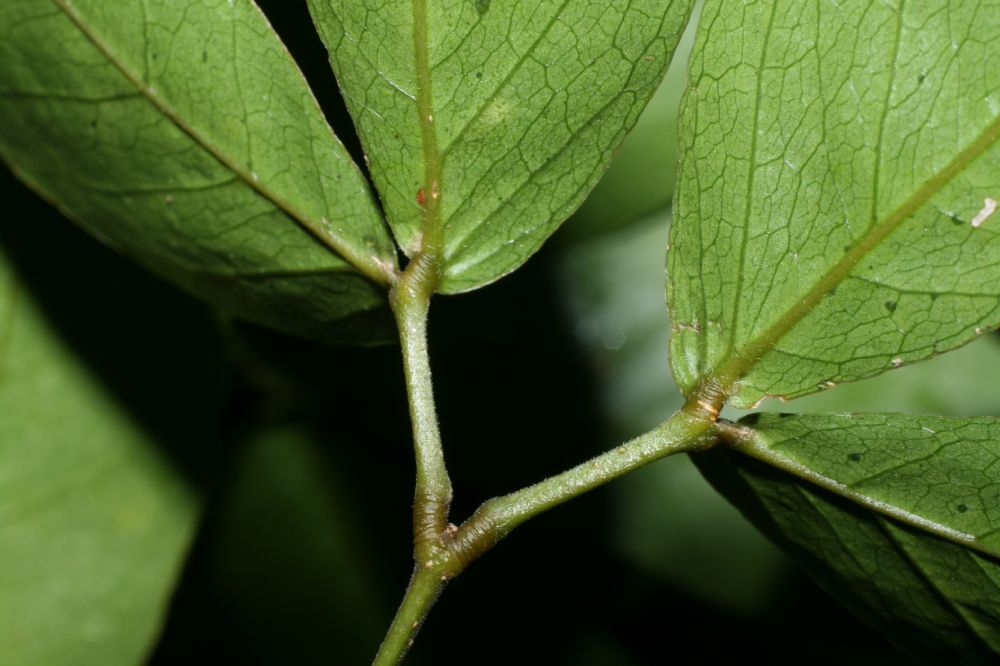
(410, 299)
(683, 432)
(424, 589)
(451, 549)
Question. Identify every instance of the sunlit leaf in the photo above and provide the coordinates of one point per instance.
(939, 474)
(959, 383)
(641, 178)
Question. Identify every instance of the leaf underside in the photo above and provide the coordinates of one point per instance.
(932, 597)
(509, 111)
(937, 473)
(833, 221)
(834, 158)
(182, 134)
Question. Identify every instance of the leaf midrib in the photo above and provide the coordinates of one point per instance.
(754, 444)
(368, 265)
(717, 387)
(432, 236)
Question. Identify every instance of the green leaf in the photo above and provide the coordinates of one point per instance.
(936, 473)
(288, 536)
(95, 514)
(640, 180)
(613, 290)
(181, 133)
(902, 528)
(959, 383)
(499, 116)
(836, 160)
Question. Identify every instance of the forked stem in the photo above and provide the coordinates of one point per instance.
(453, 549)
(682, 433)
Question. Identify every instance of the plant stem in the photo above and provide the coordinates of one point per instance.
(424, 588)
(442, 551)
(683, 432)
(410, 299)
(451, 549)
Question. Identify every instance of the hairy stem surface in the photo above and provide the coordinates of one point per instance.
(424, 589)
(455, 548)
(683, 432)
(410, 300)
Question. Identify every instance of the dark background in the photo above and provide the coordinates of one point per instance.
(305, 546)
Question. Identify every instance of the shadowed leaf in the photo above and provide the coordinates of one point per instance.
(934, 596)
(101, 444)
(182, 133)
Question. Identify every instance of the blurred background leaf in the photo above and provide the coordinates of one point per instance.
(110, 403)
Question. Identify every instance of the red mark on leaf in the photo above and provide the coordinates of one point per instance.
(421, 197)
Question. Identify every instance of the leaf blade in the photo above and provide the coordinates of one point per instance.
(225, 159)
(96, 517)
(933, 598)
(521, 122)
(811, 247)
(935, 473)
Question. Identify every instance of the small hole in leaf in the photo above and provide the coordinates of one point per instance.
(962, 508)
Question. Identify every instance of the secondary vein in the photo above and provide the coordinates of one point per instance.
(720, 383)
(370, 266)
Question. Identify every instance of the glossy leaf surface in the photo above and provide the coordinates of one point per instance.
(486, 123)
(838, 167)
(182, 133)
